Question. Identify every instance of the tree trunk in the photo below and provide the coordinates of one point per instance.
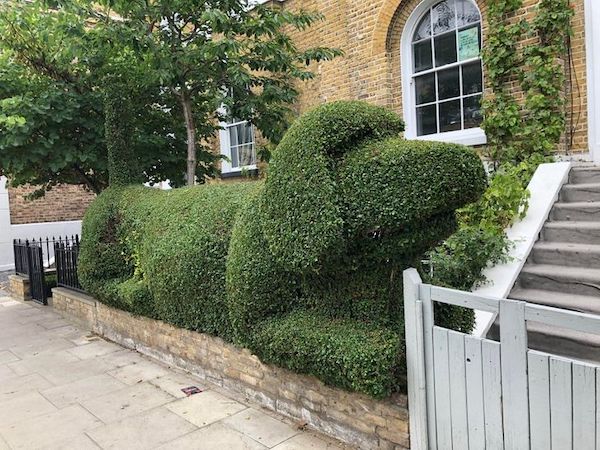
(186, 103)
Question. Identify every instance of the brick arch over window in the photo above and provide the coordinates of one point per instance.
(387, 40)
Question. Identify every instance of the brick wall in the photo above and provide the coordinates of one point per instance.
(369, 32)
(62, 203)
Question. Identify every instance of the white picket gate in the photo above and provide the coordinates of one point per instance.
(470, 393)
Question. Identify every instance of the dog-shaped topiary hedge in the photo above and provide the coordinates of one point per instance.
(304, 268)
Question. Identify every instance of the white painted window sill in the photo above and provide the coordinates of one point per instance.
(470, 137)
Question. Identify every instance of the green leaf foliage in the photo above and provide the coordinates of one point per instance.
(319, 298)
(303, 216)
(481, 239)
(199, 56)
(347, 353)
(516, 130)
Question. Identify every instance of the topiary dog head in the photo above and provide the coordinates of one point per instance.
(342, 172)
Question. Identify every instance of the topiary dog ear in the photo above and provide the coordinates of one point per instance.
(303, 221)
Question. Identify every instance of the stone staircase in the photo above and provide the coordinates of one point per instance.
(563, 269)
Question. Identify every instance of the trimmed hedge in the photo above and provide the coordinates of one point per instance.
(349, 354)
(303, 220)
(304, 269)
(170, 248)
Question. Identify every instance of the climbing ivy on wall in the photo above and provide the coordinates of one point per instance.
(516, 130)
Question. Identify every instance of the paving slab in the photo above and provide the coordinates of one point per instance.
(174, 382)
(7, 356)
(44, 363)
(159, 426)
(214, 437)
(261, 427)
(17, 385)
(46, 430)
(127, 402)
(94, 349)
(42, 345)
(79, 442)
(205, 408)
(62, 387)
(73, 370)
(81, 390)
(308, 441)
(138, 372)
(6, 372)
(23, 407)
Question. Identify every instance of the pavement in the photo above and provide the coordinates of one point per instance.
(64, 388)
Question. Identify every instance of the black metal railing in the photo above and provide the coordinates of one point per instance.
(47, 263)
(66, 253)
(29, 262)
(21, 252)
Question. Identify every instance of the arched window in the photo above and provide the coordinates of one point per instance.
(443, 77)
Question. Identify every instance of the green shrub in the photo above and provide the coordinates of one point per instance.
(304, 269)
(390, 184)
(480, 241)
(171, 248)
(344, 353)
(102, 254)
(302, 217)
(256, 286)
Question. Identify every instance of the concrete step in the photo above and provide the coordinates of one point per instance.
(576, 211)
(581, 303)
(589, 192)
(557, 341)
(569, 280)
(566, 254)
(585, 174)
(576, 232)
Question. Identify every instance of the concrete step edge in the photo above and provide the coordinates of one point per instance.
(572, 225)
(567, 247)
(573, 302)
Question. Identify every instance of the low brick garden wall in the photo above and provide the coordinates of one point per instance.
(352, 418)
(18, 287)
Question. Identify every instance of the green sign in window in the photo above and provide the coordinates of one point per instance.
(468, 43)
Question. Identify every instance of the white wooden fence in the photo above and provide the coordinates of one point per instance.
(470, 393)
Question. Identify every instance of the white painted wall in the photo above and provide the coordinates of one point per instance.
(592, 44)
(6, 252)
(9, 232)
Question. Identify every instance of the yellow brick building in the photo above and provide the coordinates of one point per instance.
(421, 59)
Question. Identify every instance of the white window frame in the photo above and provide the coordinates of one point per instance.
(225, 141)
(470, 136)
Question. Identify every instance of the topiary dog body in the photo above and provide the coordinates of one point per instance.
(304, 269)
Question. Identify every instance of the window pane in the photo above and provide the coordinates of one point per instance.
(472, 78)
(448, 83)
(426, 120)
(450, 117)
(425, 88)
(445, 49)
(235, 160)
(233, 136)
(424, 28)
(246, 153)
(466, 12)
(443, 17)
(472, 111)
(422, 55)
(245, 133)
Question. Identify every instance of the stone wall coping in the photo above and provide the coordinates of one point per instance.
(19, 278)
(75, 295)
